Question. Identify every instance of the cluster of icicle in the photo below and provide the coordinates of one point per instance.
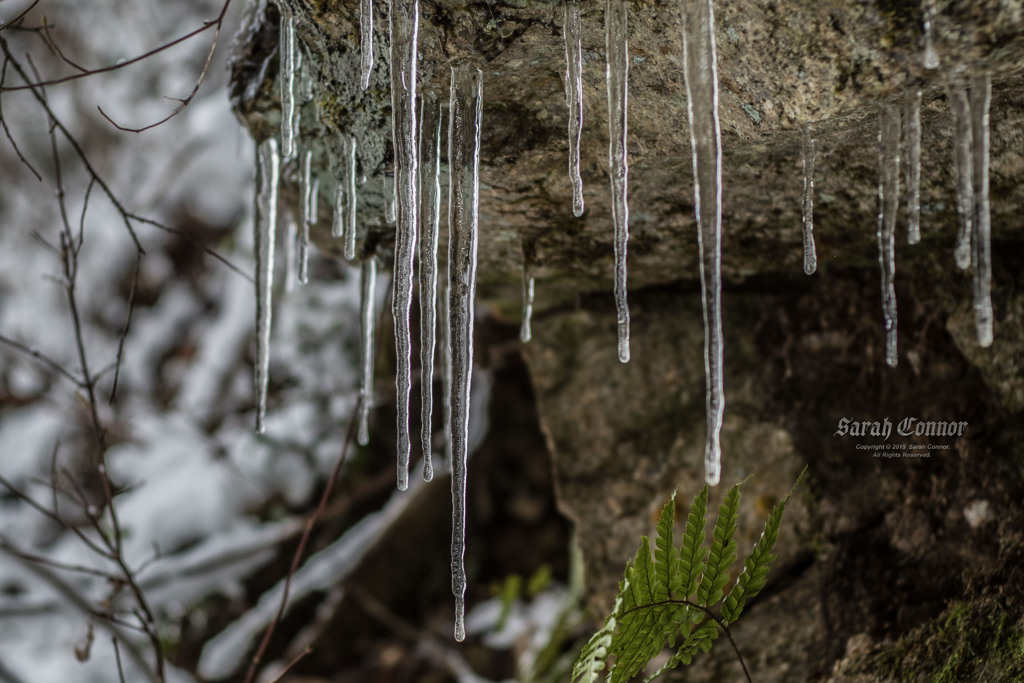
(413, 203)
(969, 93)
(700, 72)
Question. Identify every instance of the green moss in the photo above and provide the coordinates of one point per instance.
(967, 642)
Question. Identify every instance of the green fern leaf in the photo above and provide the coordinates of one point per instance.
(665, 559)
(723, 550)
(591, 660)
(692, 554)
(640, 635)
(757, 563)
(699, 640)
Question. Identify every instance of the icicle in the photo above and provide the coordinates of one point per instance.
(572, 28)
(960, 108)
(404, 25)
(931, 57)
(810, 255)
(291, 235)
(287, 51)
(366, 41)
(888, 204)
(618, 81)
(314, 202)
(981, 254)
(430, 216)
(444, 323)
(367, 281)
(525, 333)
(350, 178)
(463, 200)
(265, 221)
(305, 191)
(390, 201)
(700, 69)
(912, 114)
(338, 224)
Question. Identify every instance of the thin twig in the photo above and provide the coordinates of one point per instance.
(301, 550)
(185, 236)
(43, 359)
(291, 665)
(117, 657)
(19, 16)
(182, 103)
(7, 131)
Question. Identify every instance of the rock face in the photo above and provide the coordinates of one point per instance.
(877, 548)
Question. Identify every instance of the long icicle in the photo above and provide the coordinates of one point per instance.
(572, 28)
(912, 114)
(466, 105)
(265, 223)
(430, 216)
(365, 42)
(701, 74)
(960, 108)
(618, 86)
(981, 249)
(367, 284)
(404, 25)
(525, 331)
(350, 180)
(888, 204)
(810, 254)
(306, 193)
(444, 323)
(286, 55)
(291, 236)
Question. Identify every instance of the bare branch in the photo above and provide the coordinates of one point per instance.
(216, 24)
(182, 103)
(21, 15)
(43, 359)
(79, 602)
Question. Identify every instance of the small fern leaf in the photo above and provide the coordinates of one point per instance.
(699, 640)
(665, 559)
(692, 553)
(591, 661)
(757, 563)
(640, 635)
(723, 550)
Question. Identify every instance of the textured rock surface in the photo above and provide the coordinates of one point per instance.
(876, 548)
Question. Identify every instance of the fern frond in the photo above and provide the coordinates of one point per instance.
(665, 559)
(757, 563)
(692, 554)
(723, 550)
(640, 635)
(591, 661)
